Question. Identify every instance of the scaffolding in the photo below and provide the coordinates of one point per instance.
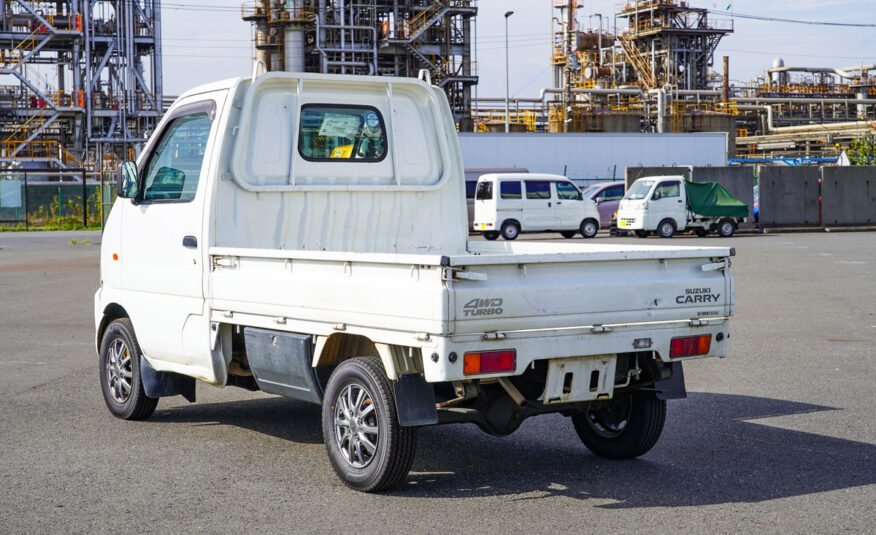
(80, 81)
(371, 37)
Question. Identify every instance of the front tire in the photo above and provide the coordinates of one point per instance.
(510, 230)
(119, 367)
(623, 428)
(589, 228)
(666, 228)
(368, 448)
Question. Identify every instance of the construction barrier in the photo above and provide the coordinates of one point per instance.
(848, 196)
(788, 196)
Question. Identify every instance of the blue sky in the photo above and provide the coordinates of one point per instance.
(205, 40)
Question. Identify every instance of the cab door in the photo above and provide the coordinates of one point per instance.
(163, 240)
(569, 206)
(666, 202)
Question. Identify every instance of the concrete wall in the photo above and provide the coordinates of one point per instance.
(788, 196)
(631, 174)
(738, 181)
(848, 196)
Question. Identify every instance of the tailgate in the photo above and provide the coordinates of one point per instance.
(513, 287)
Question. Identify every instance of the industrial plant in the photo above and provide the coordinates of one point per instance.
(82, 81)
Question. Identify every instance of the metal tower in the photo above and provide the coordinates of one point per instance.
(81, 80)
(377, 37)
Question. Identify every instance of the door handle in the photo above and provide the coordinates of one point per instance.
(190, 241)
(679, 201)
(559, 203)
(549, 204)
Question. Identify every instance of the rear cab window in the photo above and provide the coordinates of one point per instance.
(339, 133)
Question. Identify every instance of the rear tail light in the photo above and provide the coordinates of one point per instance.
(489, 362)
(690, 346)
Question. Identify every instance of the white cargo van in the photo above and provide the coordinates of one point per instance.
(305, 235)
(509, 204)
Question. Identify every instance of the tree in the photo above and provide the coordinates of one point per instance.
(862, 151)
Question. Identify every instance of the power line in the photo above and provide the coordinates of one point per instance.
(794, 21)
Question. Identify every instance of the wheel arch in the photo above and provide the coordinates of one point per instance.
(336, 348)
(111, 312)
(511, 220)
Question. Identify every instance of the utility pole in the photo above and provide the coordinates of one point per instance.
(567, 70)
(507, 83)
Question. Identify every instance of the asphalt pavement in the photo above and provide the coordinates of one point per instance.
(779, 437)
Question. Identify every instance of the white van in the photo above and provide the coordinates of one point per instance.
(509, 204)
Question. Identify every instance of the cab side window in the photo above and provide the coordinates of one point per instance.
(510, 190)
(538, 189)
(174, 168)
(667, 189)
(567, 192)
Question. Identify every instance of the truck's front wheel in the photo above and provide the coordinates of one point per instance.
(119, 367)
(666, 228)
(368, 448)
(624, 428)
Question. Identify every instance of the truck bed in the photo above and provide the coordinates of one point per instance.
(495, 286)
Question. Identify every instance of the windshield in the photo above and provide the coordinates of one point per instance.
(639, 189)
(590, 191)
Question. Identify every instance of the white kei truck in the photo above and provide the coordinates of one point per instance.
(508, 204)
(670, 204)
(306, 235)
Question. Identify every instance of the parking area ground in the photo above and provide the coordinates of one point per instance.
(778, 437)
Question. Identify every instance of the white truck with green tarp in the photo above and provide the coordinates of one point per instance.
(670, 204)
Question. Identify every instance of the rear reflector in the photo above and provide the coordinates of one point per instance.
(489, 362)
(690, 346)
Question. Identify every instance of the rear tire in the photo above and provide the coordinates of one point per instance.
(510, 230)
(119, 367)
(624, 428)
(491, 235)
(568, 234)
(726, 228)
(589, 228)
(666, 228)
(368, 448)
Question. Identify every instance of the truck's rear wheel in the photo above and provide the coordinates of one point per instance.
(368, 448)
(666, 228)
(119, 367)
(726, 228)
(491, 235)
(589, 228)
(623, 428)
(510, 230)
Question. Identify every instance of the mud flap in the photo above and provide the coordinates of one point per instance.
(163, 384)
(415, 401)
(673, 387)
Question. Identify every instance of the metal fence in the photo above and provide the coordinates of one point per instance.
(53, 198)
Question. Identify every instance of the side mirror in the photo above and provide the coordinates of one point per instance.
(126, 183)
(597, 200)
(656, 196)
